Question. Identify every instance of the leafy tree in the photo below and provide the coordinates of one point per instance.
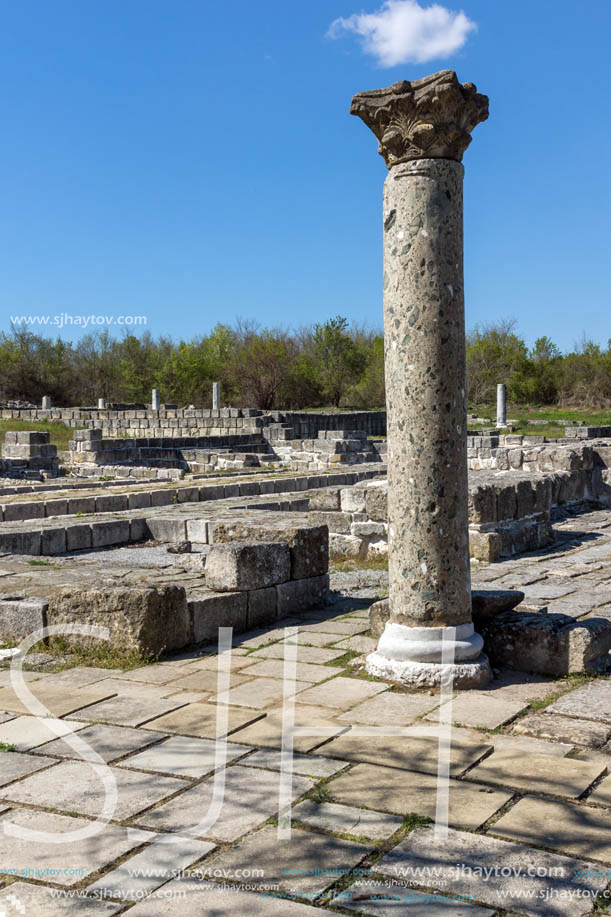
(338, 361)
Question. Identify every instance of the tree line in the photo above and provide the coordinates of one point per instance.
(326, 364)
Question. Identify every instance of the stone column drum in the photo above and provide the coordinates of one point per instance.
(501, 405)
(155, 399)
(216, 396)
(423, 128)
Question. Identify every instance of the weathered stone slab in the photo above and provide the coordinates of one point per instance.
(27, 732)
(481, 710)
(261, 693)
(390, 709)
(295, 865)
(497, 873)
(143, 618)
(14, 765)
(410, 753)
(602, 793)
(88, 855)
(162, 859)
(341, 693)
(590, 702)
(488, 603)
(307, 765)
(251, 797)
(59, 701)
(110, 742)
(525, 773)
(563, 729)
(115, 531)
(314, 654)
(130, 711)
(72, 786)
(402, 791)
(200, 720)
(342, 819)
(391, 898)
(78, 537)
(185, 896)
(268, 732)
(274, 668)
(183, 756)
(41, 901)
(575, 830)
(203, 680)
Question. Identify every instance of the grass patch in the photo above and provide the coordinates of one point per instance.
(5, 747)
(40, 563)
(99, 655)
(550, 421)
(344, 660)
(60, 433)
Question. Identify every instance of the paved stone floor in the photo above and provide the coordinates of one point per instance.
(529, 792)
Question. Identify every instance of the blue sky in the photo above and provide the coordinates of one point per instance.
(195, 162)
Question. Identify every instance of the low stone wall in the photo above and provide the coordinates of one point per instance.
(174, 421)
(330, 448)
(27, 451)
(509, 513)
(253, 577)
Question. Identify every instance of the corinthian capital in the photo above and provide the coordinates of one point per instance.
(430, 118)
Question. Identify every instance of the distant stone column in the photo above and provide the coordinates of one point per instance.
(155, 399)
(501, 405)
(46, 403)
(423, 128)
(101, 404)
(216, 396)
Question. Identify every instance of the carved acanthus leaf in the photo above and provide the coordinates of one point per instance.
(430, 118)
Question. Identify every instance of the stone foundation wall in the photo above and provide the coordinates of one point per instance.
(174, 421)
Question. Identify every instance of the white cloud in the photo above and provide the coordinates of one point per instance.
(403, 32)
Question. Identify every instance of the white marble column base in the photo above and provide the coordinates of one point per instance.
(474, 674)
(413, 656)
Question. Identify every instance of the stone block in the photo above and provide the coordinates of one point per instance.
(167, 528)
(368, 529)
(346, 545)
(302, 595)
(237, 566)
(26, 437)
(139, 500)
(485, 546)
(488, 603)
(162, 497)
(147, 619)
(326, 499)
(82, 505)
(550, 644)
(376, 501)
(53, 541)
(56, 507)
(20, 542)
(353, 500)
(108, 533)
(78, 537)
(379, 613)
(557, 728)
(308, 545)
(138, 530)
(17, 512)
(19, 617)
(482, 504)
(262, 607)
(210, 610)
(197, 531)
(111, 503)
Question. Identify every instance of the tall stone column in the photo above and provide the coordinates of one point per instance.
(423, 128)
(216, 396)
(155, 399)
(501, 405)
